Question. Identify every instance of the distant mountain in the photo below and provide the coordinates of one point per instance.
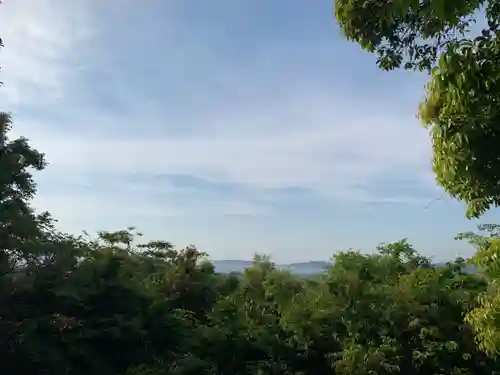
(303, 268)
(469, 268)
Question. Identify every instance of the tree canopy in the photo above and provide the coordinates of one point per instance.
(461, 105)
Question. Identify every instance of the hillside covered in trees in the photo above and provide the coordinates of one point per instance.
(109, 304)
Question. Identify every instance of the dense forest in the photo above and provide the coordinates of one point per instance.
(109, 304)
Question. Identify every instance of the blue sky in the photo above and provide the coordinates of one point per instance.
(240, 127)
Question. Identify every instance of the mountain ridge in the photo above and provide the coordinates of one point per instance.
(308, 268)
(301, 268)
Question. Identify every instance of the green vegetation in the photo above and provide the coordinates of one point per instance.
(461, 108)
(78, 305)
(110, 305)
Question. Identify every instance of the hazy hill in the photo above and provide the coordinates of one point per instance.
(302, 268)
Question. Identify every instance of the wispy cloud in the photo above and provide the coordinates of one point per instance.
(44, 40)
(124, 97)
(308, 137)
(323, 156)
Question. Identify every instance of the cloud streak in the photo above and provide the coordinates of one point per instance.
(121, 102)
(319, 158)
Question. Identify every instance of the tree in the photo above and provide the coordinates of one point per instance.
(461, 106)
(22, 232)
(485, 317)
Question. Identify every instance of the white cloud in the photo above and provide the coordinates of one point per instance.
(324, 156)
(43, 43)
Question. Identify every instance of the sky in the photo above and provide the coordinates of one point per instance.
(240, 127)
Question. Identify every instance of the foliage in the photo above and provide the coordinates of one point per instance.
(485, 317)
(110, 305)
(461, 105)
